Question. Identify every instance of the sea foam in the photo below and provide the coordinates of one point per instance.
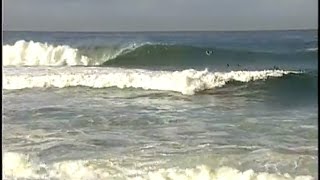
(312, 49)
(16, 165)
(30, 53)
(187, 81)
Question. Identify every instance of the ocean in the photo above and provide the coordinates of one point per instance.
(160, 105)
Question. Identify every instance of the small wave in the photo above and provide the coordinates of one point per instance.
(312, 49)
(187, 81)
(16, 165)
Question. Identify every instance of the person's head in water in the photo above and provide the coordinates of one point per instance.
(228, 65)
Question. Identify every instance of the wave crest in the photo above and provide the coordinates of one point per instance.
(187, 81)
(24, 53)
(35, 53)
(315, 49)
(29, 53)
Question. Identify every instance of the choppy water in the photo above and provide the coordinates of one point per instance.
(174, 105)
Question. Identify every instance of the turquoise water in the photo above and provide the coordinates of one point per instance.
(188, 105)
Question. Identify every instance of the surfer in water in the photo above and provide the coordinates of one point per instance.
(208, 52)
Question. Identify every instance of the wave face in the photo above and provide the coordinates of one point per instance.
(29, 53)
(21, 166)
(177, 55)
(187, 82)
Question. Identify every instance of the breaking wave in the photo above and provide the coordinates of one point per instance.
(24, 53)
(187, 81)
(29, 53)
(21, 166)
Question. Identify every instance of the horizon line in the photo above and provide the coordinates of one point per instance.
(150, 31)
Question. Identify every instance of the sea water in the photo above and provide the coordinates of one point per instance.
(160, 105)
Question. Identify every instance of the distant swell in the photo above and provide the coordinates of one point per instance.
(24, 53)
(187, 82)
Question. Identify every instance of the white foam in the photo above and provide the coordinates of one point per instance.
(16, 165)
(24, 53)
(20, 166)
(187, 82)
(206, 173)
(312, 49)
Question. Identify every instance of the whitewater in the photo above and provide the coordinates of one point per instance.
(189, 81)
(30, 53)
(186, 82)
(156, 105)
(20, 166)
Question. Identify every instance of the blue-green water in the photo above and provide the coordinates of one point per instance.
(188, 105)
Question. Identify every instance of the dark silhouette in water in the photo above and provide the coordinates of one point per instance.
(238, 65)
(228, 65)
(276, 68)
